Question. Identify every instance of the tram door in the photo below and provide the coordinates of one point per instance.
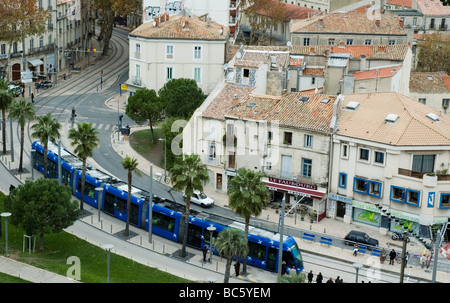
(134, 214)
(194, 237)
(272, 256)
(109, 203)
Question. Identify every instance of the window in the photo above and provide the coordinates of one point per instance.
(412, 197)
(308, 141)
(445, 103)
(138, 48)
(349, 42)
(169, 51)
(286, 166)
(269, 137)
(138, 71)
(246, 73)
(375, 188)
(414, 21)
(306, 41)
(445, 200)
(268, 165)
(379, 157)
(423, 100)
(359, 185)
(313, 80)
(364, 154)
(306, 167)
(392, 42)
(423, 163)
(331, 41)
(397, 194)
(198, 74)
(212, 151)
(342, 180)
(231, 160)
(197, 52)
(287, 138)
(432, 23)
(169, 73)
(3, 50)
(368, 42)
(344, 151)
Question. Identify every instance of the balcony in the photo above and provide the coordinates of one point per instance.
(418, 175)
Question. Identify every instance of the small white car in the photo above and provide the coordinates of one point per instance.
(201, 199)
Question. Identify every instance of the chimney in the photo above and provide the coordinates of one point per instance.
(377, 23)
(235, 100)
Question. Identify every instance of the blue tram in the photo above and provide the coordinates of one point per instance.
(167, 216)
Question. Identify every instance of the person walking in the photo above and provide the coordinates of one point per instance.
(355, 250)
(423, 260)
(383, 255)
(330, 280)
(338, 280)
(319, 278)
(406, 258)
(310, 276)
(392, 256)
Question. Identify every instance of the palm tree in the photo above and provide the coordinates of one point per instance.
(129, 164)
(86, 140)
(231, 242)
(6, 98)
(46, 129)
(247, 196)
(188, 174)
(22, 111)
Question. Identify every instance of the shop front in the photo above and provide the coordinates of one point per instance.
(308, 194)
(339, 208)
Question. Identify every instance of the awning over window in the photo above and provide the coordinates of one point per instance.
(291, 189)
(35, 62)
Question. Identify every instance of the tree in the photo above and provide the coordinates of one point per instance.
(20, 19)
(129, 164)
(173, 129)
(188, 174)
(46, 129)
(144, 105)
(247, 196)
(132, 8)
(42, 207)
(181, 97)
(231, 243)
(6, 98)
(22, 111)
(85, 138)
(106, 21)
(434, 53)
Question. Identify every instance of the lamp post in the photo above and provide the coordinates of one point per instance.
(108, 248)
(99, 191)
(357, 266)
(280, 248)
(6, 215)
(211, 230)
(150, 206)
(165, 157)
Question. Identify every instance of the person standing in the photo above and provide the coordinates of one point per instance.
(423, 260)
(32, 98)
(338, 280)
(237, 265)
(319, 278)
(392, 256)
(310, 276)
(406, 258)
(205, 251)
(382, 255)
(330, 280)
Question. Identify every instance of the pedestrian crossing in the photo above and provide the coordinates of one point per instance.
(102, 126)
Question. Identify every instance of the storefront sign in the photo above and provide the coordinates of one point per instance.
(339, 198)
(293, 183)
(431, 197)
(367, 217)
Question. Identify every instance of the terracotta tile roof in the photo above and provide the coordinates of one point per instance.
(288, 110)
(392, 52)
(264, 56)
(413, 127)
(405, 3)
(377, 73)
(433, 7)
(293, 11)
(225, 100)
(314, 71)
(349, 22)
(182, 27)
(429, 82)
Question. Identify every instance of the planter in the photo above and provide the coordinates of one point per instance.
(429, 180)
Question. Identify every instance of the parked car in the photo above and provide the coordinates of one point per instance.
(15, 89)
(46, 84)
(360, 237)
(201, 199)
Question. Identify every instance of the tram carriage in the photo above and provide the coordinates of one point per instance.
(167, 216)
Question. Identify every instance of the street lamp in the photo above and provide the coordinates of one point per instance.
(6, 215)
(150, 206)
(99, 191)
(108, 248)
(211, 230)
(165, 157)
(280, 248)
(357, 266)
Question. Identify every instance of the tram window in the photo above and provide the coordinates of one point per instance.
(164, 222)
(89, 189)
(66, 177)
(287, 257)
(121, 205)
(52, 169)
(134, 214)
(40, 159)
(195, 235)
(256, 250)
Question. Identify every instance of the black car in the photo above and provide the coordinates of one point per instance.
(361, 238)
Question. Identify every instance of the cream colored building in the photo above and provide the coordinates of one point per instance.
(432, 89)
(385, 145)
(180, 46)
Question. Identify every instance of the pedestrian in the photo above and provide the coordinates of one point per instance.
(32, 98)
(355, 250)
(11, 188)
(338, 280)
(283, 268)
(319, 278)
(423, 260)
(22, 91)
(237, 265)
(205, 251)
(406, 258)
(392, 256)
(383, 255)
(310, 276)
(330, 280)
(292, 271)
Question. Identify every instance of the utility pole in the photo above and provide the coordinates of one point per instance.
(402, 270)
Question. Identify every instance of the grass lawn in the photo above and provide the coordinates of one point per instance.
(59, 247)
(141, 142)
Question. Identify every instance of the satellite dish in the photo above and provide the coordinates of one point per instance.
(238, 55)
(225, 66)
(289, 43)
(154, 23)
